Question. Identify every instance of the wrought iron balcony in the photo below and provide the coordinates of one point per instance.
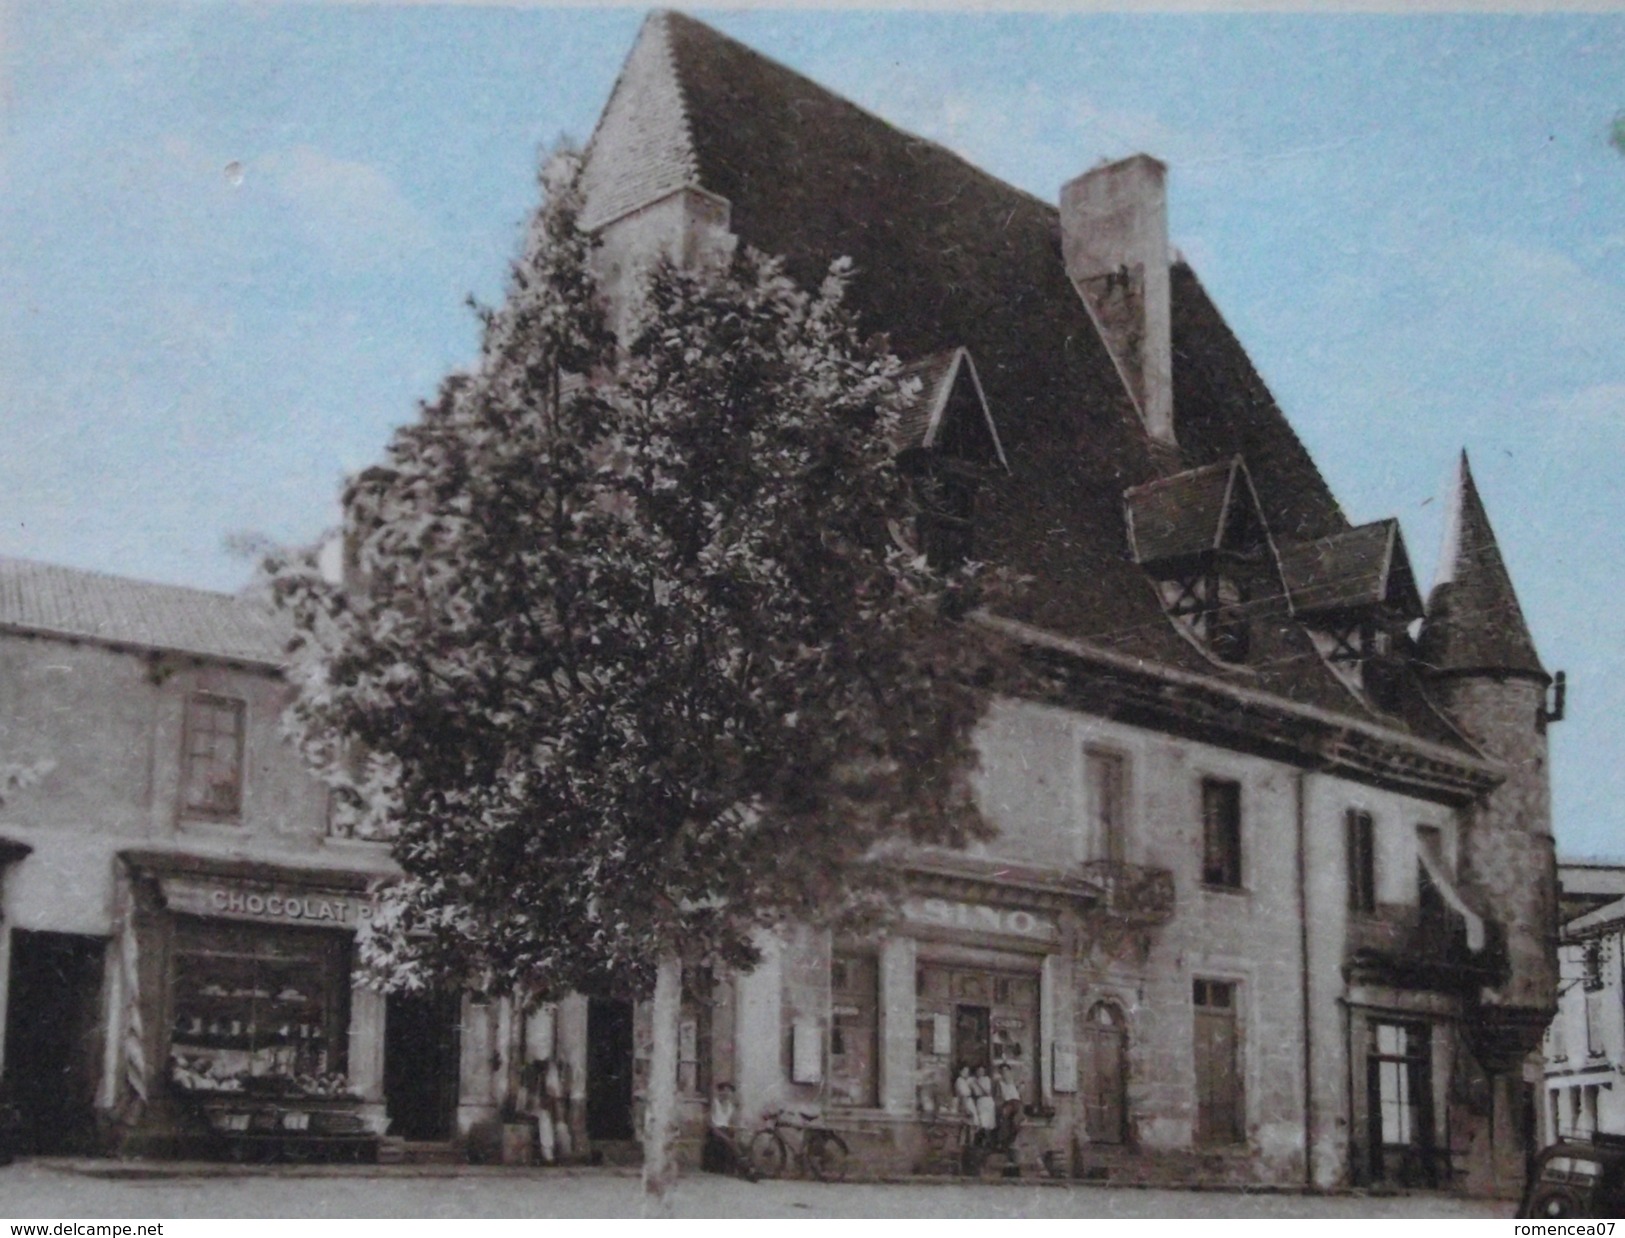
(1132, 893)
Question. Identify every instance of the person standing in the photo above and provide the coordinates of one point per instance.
(1009, 1097)
(986, 1110)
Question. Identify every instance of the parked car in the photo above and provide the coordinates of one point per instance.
(1573, 1179)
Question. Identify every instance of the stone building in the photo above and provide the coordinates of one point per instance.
(1272, 897)
(1585, 1042)
(173, 909)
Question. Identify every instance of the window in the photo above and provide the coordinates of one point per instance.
(947, 519)
(1221, 833)
(1107, 799)
(694, 1032)
(1213, 609)
(1362, 860)
(1400, 1101)
(854, 1028)
(1219, 1108)
(212, 777)
(1592, 983)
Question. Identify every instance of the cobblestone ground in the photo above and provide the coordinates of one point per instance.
(54, 1191)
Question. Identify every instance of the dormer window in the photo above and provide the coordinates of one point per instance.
(1200, 536)
(947, 442)
(947, 522)
(1354, 592)
(1212, 608)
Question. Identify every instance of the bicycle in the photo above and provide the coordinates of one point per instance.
(819, 1152)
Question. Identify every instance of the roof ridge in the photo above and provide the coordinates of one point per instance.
(662, 18)
(671, 161)
(140, 582)
(1158, 483)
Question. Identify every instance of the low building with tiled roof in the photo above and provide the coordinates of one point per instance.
(1272, 895)
(177, 912)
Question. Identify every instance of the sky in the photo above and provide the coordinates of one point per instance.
(237, 242)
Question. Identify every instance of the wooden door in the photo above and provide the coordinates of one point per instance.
(1104, 1075)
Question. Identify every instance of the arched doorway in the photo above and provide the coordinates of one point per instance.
(1104, 1074)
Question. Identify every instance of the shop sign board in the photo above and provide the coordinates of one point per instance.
(276, 905)
(982, 918)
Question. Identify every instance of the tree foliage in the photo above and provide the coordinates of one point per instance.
(632, 656)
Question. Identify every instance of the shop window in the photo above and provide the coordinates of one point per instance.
(1219, 1099)
(259, 1010)
(1362, 862)
(212, 776)
(1399, 1100)
(1107, 774)
(1221, 833)
(694, 1032)
(854, 1030)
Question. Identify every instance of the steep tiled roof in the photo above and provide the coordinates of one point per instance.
(1364, 567)
(946, 255)
(934, 374)
(1474, 622)
(1176, 517)
(61, 601)
(641, 150)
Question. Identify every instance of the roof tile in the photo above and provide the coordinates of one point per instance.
(61, 601)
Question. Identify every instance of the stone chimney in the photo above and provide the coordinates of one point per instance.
(1114, 239)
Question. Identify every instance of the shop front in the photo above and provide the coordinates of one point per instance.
(970, 993)
(238, 1023)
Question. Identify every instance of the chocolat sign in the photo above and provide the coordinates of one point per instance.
(280, 906)
(981, 918)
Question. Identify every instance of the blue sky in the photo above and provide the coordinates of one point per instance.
(235, 241)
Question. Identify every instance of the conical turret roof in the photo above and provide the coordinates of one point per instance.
(1474, 622)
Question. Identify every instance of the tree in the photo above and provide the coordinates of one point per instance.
(638, 659)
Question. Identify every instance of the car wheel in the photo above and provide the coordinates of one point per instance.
(1554, 1203)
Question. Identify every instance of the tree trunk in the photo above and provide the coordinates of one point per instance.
(660, 1123)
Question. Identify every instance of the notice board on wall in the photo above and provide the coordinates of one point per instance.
(806, 1052)
(1064, 1067)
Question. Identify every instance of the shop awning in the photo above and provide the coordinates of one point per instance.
(1476, 936)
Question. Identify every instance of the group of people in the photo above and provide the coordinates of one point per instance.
(991, 1105)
